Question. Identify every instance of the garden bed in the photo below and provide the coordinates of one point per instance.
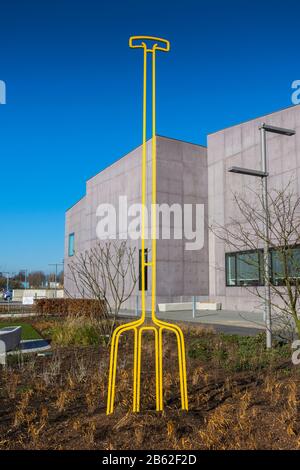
(240, 397)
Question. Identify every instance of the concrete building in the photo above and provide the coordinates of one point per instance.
(188, 173)
(240, 146)
(181, 179)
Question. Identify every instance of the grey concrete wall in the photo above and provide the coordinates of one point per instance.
(240, 146)
(181, 177)
(75, 222)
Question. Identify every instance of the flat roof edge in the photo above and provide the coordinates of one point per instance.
(255, 118)
(181, 140)
(75, 203)
(135, 148)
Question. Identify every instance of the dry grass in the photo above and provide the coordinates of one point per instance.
(59, 402)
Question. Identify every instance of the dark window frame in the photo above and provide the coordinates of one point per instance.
(273, 250)
(258, 283)
(140, 269)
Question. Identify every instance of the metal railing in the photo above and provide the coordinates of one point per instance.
(12, 308)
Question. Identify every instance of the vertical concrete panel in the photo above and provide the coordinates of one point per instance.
(182, 179)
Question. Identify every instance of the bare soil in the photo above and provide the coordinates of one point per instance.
(59, 402)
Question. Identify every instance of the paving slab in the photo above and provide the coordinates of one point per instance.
(227, 321)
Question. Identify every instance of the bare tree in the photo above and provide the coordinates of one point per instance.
(107, 273)
(36, 278)
(246, 232)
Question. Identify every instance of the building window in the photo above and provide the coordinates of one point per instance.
(277, 268)
(71, 250)
(140, 269)
(283, 260)
(230, 270)
(244, 268)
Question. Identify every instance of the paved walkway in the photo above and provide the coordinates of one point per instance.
(227, 321)
(219, 317)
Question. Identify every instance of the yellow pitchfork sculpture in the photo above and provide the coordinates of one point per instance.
(157, 325)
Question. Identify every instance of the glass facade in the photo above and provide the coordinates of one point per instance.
(285, 263)
(245, 268)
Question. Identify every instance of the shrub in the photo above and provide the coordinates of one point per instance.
(201, 349)
(237, 353)
(67, 307)
(78, 331)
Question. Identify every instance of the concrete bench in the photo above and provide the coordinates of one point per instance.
(10, 339)
(181, 306)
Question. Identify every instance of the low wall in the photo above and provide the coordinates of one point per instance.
(18, 294)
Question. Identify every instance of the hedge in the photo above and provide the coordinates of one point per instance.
(64, 307)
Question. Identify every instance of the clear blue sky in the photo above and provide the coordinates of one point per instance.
(74, 94)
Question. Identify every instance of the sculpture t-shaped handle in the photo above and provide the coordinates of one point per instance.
(138, 41)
